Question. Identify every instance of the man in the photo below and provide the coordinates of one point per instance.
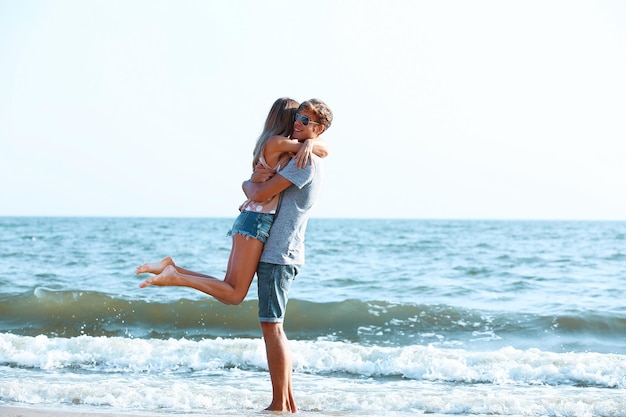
(283, 253)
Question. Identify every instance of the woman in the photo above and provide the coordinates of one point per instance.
(250, 230)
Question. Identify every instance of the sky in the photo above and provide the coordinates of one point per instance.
(442, 109)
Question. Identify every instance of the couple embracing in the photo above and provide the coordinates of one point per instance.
(268, 234)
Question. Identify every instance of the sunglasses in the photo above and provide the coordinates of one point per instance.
(305, 120)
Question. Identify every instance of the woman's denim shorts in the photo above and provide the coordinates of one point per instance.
(253, 225)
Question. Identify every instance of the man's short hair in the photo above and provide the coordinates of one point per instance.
(321, 110)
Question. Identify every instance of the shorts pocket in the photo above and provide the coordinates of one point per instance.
(241, 220)
(285, 283)
(287, 277)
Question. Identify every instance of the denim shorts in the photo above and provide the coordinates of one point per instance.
(253, 225)
(274, 282)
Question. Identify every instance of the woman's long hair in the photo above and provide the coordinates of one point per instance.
(279, 122)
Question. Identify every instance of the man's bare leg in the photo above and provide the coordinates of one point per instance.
(279, 363)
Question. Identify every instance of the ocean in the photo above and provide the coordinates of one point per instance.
(387, 318)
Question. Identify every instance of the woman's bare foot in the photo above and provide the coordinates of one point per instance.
(155, 267)
(164, 279)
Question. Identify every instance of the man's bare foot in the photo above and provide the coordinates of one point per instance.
(167, 278)
(155, 267)
(286, 409)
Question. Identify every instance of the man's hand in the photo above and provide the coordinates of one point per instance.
(262, 174)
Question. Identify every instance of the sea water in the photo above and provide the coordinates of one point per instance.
(387, 317)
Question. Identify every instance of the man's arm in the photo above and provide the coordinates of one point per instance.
(261, 191)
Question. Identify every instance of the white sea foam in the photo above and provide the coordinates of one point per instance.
(240, 392)
(427, 363)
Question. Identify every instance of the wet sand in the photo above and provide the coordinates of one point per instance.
(9, 411)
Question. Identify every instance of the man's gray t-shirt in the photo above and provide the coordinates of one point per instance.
(285, 245)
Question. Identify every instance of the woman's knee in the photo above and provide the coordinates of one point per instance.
(236, 298)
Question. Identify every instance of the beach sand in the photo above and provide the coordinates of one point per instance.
(20, 411)
(10, 411)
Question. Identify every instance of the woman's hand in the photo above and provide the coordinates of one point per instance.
(303, 157)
